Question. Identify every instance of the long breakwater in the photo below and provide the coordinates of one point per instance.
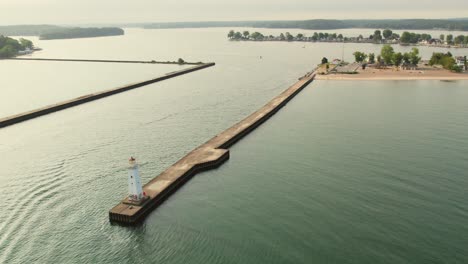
(207, 156)
(11, 120)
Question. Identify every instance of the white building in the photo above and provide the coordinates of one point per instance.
(460, 62)
(135, 189)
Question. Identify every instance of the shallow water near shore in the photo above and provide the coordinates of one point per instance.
(347, 172)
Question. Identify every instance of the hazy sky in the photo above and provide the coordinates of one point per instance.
(121, 11)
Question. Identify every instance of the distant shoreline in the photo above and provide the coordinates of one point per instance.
(323, 24)
(50, 32)
(455, 24)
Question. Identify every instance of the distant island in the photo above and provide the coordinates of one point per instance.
(386, 36)
(72, 33)
(47, 32)
(323, 24)
(27, 30)
(10, 47)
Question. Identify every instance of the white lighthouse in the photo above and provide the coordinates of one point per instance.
(135, 189)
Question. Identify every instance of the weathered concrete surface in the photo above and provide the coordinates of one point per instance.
(208, 156)
(11, 120)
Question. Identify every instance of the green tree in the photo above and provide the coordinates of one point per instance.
(10, 47)
(324, 60)
(237, 35)
(456, 68)
(426, 37)
(340, 36)
(231, 34)
(405, 37)
(387, 54)
(27, 44)
(257, 36)
(445, 60)
(289, 37)
(180, 61)
(387, 33)
(459, 39)
(406, 58)
(359, 56)
(442, 37)
(449, 38)
(299, 36)
(397, 59)
(246, 34)
(315, 37)
(7, 52)
(282, 37)
(377, 36)
(371, 58)
(414, 56)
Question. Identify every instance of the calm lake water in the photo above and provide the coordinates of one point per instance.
(347, 172)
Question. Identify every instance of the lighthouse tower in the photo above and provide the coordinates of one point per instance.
(135, 189)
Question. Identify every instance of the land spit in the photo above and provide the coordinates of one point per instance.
(11, 120)
(109, 61)
(373, 74)
(207, 156)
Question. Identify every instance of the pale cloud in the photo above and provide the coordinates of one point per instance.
(123, 11)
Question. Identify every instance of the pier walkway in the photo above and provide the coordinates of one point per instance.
(207, 156)
(107, 61)
(11, 120)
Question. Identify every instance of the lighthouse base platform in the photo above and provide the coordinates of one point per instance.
(141, 202)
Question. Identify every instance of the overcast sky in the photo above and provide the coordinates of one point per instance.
(123, 11)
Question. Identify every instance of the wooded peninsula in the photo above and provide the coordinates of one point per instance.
(11, 47)
(386, 36)
(71, 33)
(47, 32)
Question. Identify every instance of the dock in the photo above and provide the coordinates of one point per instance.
(208, 156)
(11, 120)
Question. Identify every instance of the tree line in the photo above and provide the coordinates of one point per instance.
(10, 47)
(388, 56)
(386, 36)
(447, 61)
(327, 24)
(70, 33)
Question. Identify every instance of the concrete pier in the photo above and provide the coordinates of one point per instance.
(11, 120)
(106, 61)
(207, 156)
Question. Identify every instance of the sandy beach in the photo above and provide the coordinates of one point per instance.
(393, 74)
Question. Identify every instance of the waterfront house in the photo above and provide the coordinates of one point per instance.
(460, 60)
(434, 42)
(25, 52)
